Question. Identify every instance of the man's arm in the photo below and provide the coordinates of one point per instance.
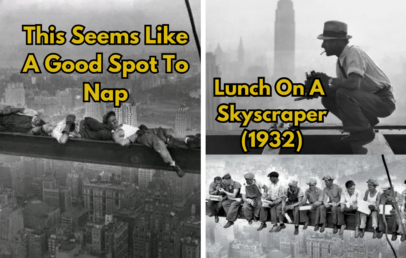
(212, 190)
(117, 138)
(10, 110)
(352, 83)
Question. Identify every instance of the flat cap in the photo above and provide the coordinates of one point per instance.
(249, 175)
(312, 181)
(273, 174)
(372, 182)
(386, 186)
(328, 178)
(292, 183)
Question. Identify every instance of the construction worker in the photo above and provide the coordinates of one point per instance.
(331, 202)
(275, 194)
(349, 204)
(372, 196)
(20, 120)
(215, 206)
(312, 196)
(291, 203)
(251, 193)
(233, 202)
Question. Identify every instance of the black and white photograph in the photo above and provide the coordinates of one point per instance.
(353, 47)
(308, 207)
(91, 178)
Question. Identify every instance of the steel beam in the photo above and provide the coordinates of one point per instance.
(98, 152)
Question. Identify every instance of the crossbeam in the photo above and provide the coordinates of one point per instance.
(98, 152)
(349, 219)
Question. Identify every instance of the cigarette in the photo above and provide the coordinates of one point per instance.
(322, 52)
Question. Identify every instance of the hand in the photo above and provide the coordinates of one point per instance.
(355, 207)
(143, 127)
(140, 132)
(371, 207)
(313, 207)
(221, 190)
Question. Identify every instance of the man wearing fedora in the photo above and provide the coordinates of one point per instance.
(361, 92)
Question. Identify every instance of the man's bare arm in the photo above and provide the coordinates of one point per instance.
(117, 138)
(352, 83)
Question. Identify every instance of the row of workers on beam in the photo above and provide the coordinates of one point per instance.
(261, 201)
(23, 120)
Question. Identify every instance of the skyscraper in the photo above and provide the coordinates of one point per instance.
(15, 94)
(212, 71)
(95, 110)
(182, 120)
(284, 60)
(240, 52)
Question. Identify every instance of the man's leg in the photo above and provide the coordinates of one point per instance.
(281, 215)
(248, 211)
(95, 125)
(257, 210)
(232, 213)
(353, 104)
(335, 211)
(87, 133)
(226, 205)
(213, 207)
(263, 217)
(170, 137)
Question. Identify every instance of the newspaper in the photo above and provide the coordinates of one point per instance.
(388, 208)
(216, 198)
(363, 207)
(305, 208)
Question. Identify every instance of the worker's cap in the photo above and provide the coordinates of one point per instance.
(386, 186)
(312, 181)
(249, 176)
(292, 183)
(372, 182)
(273, 174)
(328, 178)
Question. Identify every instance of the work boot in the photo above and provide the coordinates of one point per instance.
(256, 219)
(394, 236)
(274, 227)
(335, 229)
(296, 230)
(362, 232)
(216, 219)
(305, 225)
(379, 235)
(357, 233)
(211, 215)
(263, 225)
(364, 135)
(229, 224)
(250, 222)
(193, 142)
(403, 238)
(280, 227)
(178, 170)
(342, 229)
(375, 234)
(316, 227)
(323, 227)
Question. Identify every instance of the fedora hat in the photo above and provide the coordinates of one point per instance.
(334, 30)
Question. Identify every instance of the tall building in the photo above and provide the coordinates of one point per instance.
(240, 52)
(127, 114)
(37, 244)
(19, 179)
(145, 177)
(116, 239)
(95, 110)
(284, 60)
(212, 71)
(65, 98)
(182, 121)
(15, 94)
(74, 182)
(11, 215)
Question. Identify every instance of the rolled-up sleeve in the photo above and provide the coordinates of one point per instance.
(356, 62)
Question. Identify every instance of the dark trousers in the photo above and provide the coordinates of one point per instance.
(294, 213)
(170, 137)
(266, 211)
(231, 208)
(323, 212)
(319, 219)
(250, 211)
(395, 223)
(341, 216)
(150, 140)
(92, 129)
(358, 110)
(214, 207)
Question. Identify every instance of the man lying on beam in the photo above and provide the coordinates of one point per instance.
(20, 120)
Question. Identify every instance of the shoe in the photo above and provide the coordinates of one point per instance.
(274, 227)
(362, 233)
(280, 227)
(143, 127)
(375, 235)
(216, 219)
(323, 227)
(379, 235)
(364, 135)
(256, 219)
(316, 227)
(211, 215)
(193, 142)
(342, 229)
(403, 238)
(250, 222)
(178, 170)
(335, 229)
(357, 232)
(394, 237)
(306, 225)
(229, 224)
(263, 225)
(296, 230)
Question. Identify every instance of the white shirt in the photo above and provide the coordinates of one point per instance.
(350, 200)
(275, 191)
(57, 132)
(128, 130)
